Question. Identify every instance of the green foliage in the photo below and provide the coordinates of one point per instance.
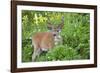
(61, 52)
(26, 51)
(75, 34)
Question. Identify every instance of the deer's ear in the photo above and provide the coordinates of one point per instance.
(49, 24)
(61, 24)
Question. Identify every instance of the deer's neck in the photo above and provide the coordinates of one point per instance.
(57, 39)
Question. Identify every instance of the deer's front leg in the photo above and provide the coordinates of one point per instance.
(35, 54)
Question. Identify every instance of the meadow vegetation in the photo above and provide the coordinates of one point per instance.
(75, 34)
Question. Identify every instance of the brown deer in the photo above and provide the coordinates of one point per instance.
(44, 41)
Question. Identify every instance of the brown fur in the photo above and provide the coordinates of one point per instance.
(43, 40)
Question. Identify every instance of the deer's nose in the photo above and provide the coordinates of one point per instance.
(54, 34)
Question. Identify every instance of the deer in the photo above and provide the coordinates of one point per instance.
(45, 41)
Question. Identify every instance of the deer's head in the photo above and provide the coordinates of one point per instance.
(55, 30)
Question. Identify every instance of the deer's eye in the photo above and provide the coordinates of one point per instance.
(57, 30)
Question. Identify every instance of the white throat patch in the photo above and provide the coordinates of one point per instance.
(57, 39)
